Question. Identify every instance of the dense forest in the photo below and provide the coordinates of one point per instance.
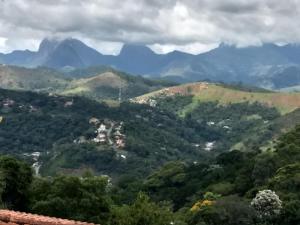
(51, 126)
(216, 164)
(57, 130)
(238, 188)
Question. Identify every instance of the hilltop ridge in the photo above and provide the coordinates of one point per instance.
(99, 83)
(224, 95)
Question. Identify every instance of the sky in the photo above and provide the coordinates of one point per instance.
(192, 26)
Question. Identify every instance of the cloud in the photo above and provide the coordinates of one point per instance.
(189, 25)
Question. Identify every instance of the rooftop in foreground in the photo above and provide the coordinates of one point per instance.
(8, 217)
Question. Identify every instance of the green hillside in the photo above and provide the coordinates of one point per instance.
(95, 83)
(60, 133)
(112, 85)
(224, 95)
(231, 182)
(40, 79)
(242, 117)
(188, 164)
(63, 132)
(244, 188)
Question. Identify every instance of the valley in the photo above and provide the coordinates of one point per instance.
(114, 137)
(213, 156)
(149, 112)
(195, 122)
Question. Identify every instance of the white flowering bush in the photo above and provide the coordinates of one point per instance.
(267, 204)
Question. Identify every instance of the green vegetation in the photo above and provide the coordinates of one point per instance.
(154, 135)
(224, 95)
(225, 191)
(233, 174)
(98, 83)
(84, 199)
(112, 85)
(238, 126)
(39, 79)
(212, 164)
(50, 126)
(15, 180)
(228, 96)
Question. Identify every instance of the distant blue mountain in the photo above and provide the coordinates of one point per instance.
(268, 65)
(137, 59)
(56, 54)
(18, 57)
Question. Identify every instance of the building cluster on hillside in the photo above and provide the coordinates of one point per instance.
(181, 90)
(225, 124)
(108, 132)
(208, 146)
(147, 101)
(68, 103)
(9, 103)
(152, 102)
(119, 138)
(102, 134)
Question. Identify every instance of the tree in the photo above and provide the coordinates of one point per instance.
(143, 212)
(267, 204)
(15, 179)
(2, 186)
(287, 182)
(290, 213)
(264, 168)
(230, 210)
(71, 197)
(165, 183)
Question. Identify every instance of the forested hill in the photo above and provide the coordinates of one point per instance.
(220, 193)
(224, 95)
(209, 163)
(98, 83)
(242, 117)
(235, 188)
(72, 134)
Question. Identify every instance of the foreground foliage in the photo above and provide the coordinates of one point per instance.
(231, 191)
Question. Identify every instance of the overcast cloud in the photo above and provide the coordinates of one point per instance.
(188, 25)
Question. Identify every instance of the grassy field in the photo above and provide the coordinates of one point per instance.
(205, 92)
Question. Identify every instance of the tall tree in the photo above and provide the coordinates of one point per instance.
(15, 179)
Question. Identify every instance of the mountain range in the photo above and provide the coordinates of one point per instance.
(269, 65)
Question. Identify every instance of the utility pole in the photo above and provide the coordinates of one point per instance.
(120, 94)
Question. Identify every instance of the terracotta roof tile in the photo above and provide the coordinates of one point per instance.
(8, 217)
